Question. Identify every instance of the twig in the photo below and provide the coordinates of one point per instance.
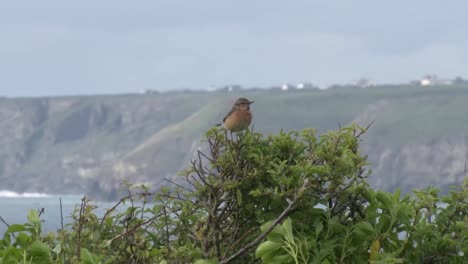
(3, 221)
(80, 226)
(168, 196)
(365, 129)
(61, 212)
(465, 169)
(205, 156)
(239, 240)
(257, 240)
(261, 236)
(134, 228)
(167, 232)
(178, 185)
(118, 203)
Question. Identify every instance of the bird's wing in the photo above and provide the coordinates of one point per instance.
(230, 113)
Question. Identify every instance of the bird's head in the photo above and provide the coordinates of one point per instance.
(243, 103)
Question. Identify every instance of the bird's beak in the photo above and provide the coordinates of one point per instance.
(251, 102)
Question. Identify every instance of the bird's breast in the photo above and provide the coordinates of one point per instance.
(238, 120)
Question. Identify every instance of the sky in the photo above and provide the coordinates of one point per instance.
(112, 46)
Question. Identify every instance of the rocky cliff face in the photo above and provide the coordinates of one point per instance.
(439, 163)
(421, 157)
(67, 145)
(91, 144)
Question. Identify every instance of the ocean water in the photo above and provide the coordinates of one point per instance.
(14, 208)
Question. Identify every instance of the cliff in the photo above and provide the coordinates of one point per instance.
(89, 144)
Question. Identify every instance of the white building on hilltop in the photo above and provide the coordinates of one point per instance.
(286, 87)
(305, 85)
(364, 83)
(432, 79)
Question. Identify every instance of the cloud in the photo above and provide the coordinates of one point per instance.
(58, 47)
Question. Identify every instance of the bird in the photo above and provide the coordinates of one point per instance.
(240, 116)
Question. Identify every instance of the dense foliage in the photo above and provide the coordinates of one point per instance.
(288, 198)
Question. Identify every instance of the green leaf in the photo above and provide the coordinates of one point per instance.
(206, 261)
(255, 192)
(239, 197)
(10, 255)
(368, 194)
(39, 250)
(365, 227)
(371, 211)
(157, 208)
(23, 240)
(276, 235)
(57, 249)
(16, 228)
(265, 226)
(87, 257)
(385, 199)
(396, 195)
(287, 228)
(280, 259)
(266, 248)
(33, 217)
(318, 227)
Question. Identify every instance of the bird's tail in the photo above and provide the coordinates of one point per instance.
(219, 126)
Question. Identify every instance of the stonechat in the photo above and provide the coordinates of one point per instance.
(240, 117)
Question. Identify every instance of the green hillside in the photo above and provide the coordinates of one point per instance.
(90, 143)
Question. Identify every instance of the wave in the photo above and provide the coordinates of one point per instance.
(11, 194)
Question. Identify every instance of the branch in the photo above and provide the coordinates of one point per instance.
(118, 203)
(3, 221)
(178, 185)
(365, 129)
(200, 154)
(129, 231)
(256, 241)
(276, 222)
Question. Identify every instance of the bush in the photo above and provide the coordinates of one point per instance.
(287, 198)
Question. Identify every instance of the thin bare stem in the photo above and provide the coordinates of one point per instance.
(3, 221)
(61, 212)
(257, 240)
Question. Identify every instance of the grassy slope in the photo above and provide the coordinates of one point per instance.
(413, 114)
(165, 134)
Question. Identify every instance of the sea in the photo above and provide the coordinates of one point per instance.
(14, 208)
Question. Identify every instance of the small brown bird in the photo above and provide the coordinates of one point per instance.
(240, 117)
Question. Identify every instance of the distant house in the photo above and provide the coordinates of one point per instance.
(428, 80)
(305, 85)
(299, 86)
(230, 88)
(286, 87)
(234, 87)
(432, 79)
(212, 88)
(149, 91)
(460, 81)
(363, 83)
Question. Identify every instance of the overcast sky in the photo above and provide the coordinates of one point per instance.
(94, 47)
